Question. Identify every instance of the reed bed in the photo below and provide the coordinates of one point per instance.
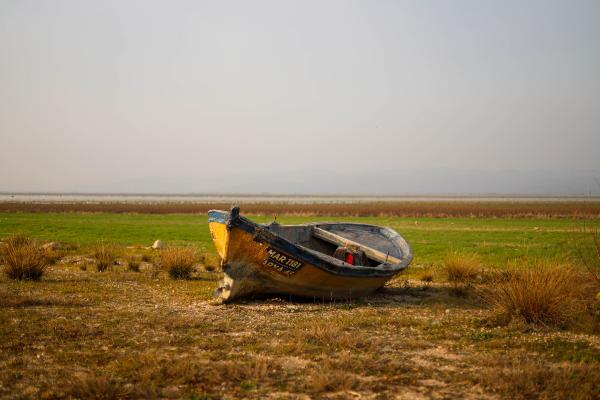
(483, 209)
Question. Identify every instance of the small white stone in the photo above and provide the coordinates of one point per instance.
(158, 245)
(51, 246)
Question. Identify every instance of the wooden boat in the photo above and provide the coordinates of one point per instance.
(321, 260)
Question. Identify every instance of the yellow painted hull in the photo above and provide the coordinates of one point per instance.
(253, 267)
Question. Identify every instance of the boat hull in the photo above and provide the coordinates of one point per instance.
(254, 261)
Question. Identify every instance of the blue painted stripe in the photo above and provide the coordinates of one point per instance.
(218, 216)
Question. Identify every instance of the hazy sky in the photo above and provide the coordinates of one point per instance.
(300, 96)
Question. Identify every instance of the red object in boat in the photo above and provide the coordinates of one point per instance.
(350, 258)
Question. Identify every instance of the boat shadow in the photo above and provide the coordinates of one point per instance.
(386, 297)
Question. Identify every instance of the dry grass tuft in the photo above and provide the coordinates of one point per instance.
(323, 333)
(462, 267)
(462, 270)
(96, 387)
(542, 293)
(329, 335)
(23, 259)
(133, 263)
(105, 256)
(327, 379)
(426, 277)
(178, 261)
(19, 300)
(247, 373)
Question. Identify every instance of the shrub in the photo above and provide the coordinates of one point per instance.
(462, 267)
(178, 262)
(133, 264)
(541, 293)
(23, 258)
(105, 256)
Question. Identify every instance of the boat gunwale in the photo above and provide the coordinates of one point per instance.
(320, 260)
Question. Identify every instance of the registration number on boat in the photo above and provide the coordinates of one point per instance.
(282, 263)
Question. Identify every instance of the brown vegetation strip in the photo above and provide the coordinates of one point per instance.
(570, 209)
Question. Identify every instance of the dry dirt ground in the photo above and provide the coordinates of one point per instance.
(120, 334)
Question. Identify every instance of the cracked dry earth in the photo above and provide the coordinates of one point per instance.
(84, 334)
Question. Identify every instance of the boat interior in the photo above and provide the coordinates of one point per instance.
(356, 244)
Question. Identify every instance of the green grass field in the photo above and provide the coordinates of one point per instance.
(496, 240)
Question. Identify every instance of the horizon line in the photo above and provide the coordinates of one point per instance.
(300, 195)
